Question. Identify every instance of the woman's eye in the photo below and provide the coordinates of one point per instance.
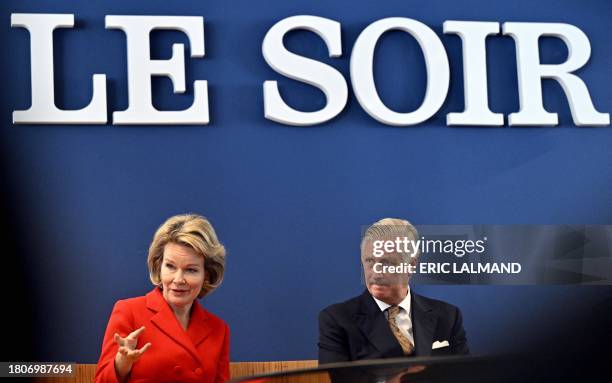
(192, 270)
(169, 266)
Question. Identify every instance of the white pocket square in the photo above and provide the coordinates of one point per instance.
(438, 344)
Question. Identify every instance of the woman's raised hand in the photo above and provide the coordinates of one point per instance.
(128, 354)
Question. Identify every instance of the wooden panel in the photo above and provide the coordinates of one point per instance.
(85, 372)
(240, 369)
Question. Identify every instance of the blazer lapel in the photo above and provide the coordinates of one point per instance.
(167, 322)
(423, 324)
(375, 327)
(198, 329)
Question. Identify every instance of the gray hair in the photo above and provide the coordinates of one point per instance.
(388, 228)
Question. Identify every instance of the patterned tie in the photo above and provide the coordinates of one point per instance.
(392, 313)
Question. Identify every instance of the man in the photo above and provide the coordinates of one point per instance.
(389, 320)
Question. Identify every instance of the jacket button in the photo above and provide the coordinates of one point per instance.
(198, 371)
(178, 370)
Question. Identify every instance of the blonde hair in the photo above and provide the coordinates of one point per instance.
(391, 227)
(193, 231)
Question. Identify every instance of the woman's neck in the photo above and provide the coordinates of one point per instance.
(182, 314)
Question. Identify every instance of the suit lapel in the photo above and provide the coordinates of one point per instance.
(167, 322)
(375, 327)
(198, 329)
(423, 324)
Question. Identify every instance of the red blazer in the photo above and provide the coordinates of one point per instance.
(199, 354)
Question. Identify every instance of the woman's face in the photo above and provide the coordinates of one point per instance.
(182, 275)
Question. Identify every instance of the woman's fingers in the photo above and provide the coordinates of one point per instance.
(144, 348)
(136, 333)
(127, 345)
(119, 340)
(134, 355)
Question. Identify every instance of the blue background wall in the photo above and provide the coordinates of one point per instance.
(83, 201)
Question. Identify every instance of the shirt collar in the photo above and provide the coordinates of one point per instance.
(405, 303)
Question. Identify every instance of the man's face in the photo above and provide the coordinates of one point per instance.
(388, 287)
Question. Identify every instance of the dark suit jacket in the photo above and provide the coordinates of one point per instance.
(358, 329)
(200, 354)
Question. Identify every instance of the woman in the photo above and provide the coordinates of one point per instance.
(166, 335)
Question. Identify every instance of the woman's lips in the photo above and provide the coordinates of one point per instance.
(180, 292)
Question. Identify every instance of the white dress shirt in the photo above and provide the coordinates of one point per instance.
(403, 319)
